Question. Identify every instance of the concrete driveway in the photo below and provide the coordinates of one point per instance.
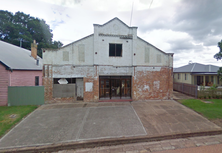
(51, 124)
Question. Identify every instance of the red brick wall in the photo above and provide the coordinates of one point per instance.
(47, 81)
(152, 84)
(25, 78)
(145, 85)
(92, 96)
(4, 82)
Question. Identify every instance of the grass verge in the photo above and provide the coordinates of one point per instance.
(211, 110)
(9, 116)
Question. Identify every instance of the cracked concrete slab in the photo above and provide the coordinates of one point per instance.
(60, 123)
(54, 124)
(169, 117)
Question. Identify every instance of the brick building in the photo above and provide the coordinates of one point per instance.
(113, 63)
(18, 67)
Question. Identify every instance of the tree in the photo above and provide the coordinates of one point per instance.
(219, 73)
(21, 29)
(218, 56)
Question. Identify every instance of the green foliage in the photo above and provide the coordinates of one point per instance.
(7, 122)
(218, 56)
(22, 29)
(219, 73)
(212, 90)
(210, 110)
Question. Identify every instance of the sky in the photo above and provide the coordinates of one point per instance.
(191, 29)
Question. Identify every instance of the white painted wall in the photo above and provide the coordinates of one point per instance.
(55, 57)
(66, 61)
(70, 71)
(101, 43)
(153, 52)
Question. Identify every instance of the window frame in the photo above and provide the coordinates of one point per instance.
(121, 54)
(36, 80)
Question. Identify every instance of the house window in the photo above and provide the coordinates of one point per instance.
(115, 50)
(178, 76)
(185, 76)
(36, 80)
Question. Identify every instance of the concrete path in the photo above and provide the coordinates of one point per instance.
(169, 117)
(57, 124)
(88, 122)
(178, 95)
(204, 144)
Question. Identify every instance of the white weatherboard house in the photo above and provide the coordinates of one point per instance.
(113, 63)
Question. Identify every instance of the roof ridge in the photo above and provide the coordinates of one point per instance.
(193, 67)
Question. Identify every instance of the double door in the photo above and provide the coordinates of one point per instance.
(115, 87)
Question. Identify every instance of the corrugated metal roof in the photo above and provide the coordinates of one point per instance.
(17, 58)
(197, 67)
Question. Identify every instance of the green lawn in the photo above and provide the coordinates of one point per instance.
(209, 110)
(9, 116)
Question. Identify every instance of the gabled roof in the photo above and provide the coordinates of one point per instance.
(16, 58)
(197, 68)
(113, 20)
(154, 46)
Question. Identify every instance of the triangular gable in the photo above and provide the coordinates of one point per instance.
(114, 27)
(110, 21)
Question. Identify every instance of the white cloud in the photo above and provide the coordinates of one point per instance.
(189, 29)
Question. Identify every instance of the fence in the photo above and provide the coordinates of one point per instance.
(210, 93)
(25, 95)
(188, 89)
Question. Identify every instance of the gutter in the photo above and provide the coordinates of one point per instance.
(6, 66)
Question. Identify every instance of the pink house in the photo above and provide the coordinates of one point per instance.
(18, 67)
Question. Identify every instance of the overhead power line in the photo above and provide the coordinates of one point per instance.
(131, 14)
(151, 3)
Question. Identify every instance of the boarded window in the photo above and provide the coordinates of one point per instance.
(70, 80)
(158, 58)
(81, 53)
(65, 56)
(147, 55)
(115, 49)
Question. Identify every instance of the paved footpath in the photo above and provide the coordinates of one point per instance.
(203, 144)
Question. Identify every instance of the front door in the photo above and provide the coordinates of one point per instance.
(115, 87)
